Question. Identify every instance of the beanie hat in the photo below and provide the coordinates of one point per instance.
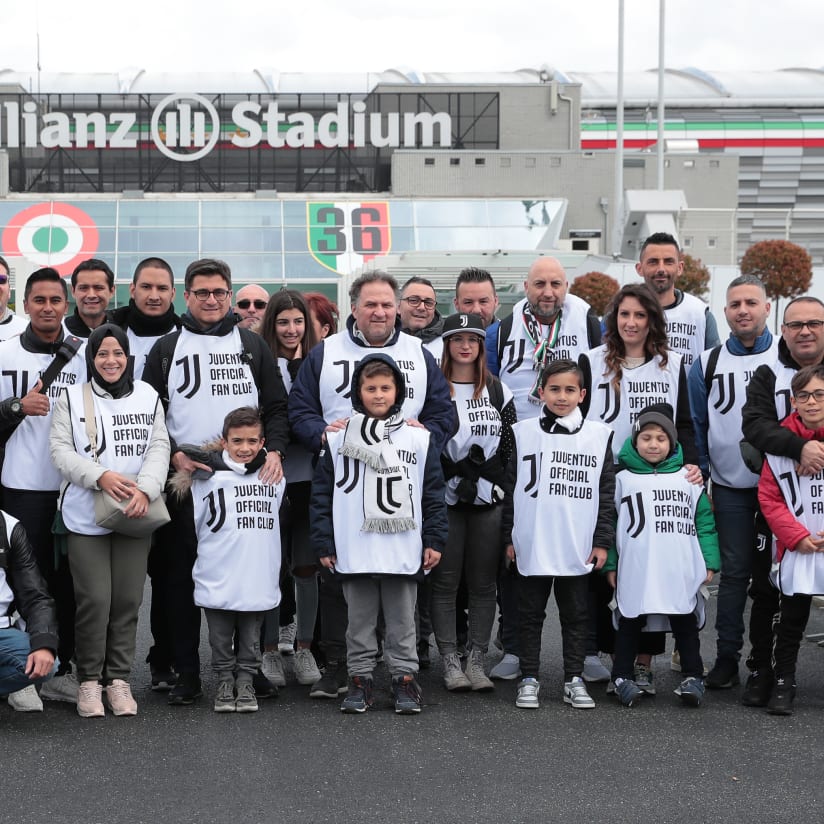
(660, 414)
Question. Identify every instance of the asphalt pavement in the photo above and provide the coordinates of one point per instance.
(466, 758)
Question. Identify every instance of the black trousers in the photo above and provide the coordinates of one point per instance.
(764, 609)
(628, 640)
(794, 612)
(571, 595)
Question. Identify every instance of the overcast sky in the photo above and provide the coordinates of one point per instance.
(426, 35)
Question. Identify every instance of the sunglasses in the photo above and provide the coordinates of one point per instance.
(244, 304)
(4, 279)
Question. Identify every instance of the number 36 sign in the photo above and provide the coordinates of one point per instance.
(344, 236)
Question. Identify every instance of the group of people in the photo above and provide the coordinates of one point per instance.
(341, 496)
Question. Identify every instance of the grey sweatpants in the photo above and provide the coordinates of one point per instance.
(364, 599)
(223, 624)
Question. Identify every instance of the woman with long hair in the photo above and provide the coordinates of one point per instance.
(474, 462)
(287, 329)
(324, 314)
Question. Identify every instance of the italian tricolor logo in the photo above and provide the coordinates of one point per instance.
(51, 234)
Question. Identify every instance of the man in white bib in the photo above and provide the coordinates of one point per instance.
(11, 323)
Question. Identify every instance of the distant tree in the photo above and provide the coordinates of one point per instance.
(695, 279)
(785, 269)
(596, 288)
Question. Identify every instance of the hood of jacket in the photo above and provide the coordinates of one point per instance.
(400, 383)
(628, 458)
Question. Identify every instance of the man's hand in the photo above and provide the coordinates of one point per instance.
(35, 403)
(598, 556)
(183, 463)
(329, 561)
(510, 553)
(272, 471)
(431, 558)
(39, 663)
(694, 475)
(812, 458)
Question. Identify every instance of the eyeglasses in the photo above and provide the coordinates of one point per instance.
(4, 279)
(798, 325)
(803, 397)
(204, 294)
(244, 304)
(414, 301)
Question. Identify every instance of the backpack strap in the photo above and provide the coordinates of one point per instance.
(496, 392)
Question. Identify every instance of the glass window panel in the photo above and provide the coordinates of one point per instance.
(215, 241)
(451, 213)
(264, 213)
(158, 241)
(158, 213)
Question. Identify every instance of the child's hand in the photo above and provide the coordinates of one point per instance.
(809, 544)
(329, 561)
(510, 553)
(431, 558)
(337, 426)
(710, 576)
(694, 475)
(598, 556)
(415, 422)
(612, 577)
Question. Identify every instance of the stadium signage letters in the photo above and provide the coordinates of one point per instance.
(186, 127)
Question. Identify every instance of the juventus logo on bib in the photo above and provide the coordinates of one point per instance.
(791, 481)
(535, 463)
(217, 510)
(612, 403)
(191, 375)
(726, 392)
(637, 516)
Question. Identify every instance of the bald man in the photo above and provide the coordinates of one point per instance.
(250, 304)
(548, 324)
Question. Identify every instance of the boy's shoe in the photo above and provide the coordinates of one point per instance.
(333, 681)
(359, 696)
(225, 697)
(675, 661)
(286, 639)
(644, 679)
(758, 688)
(527, 697)
(61, 688)
(783, 695)
(90, 700)
(263, 687)
(186, 690)
(723, 675)
(576, 695)
(407, 693)
(478, 679)
(594, 670)
(26, 700)
(271, 666)
(507, 669)
(121, 700)
(306, 670)
(246, 700)
(628, 692)
(163, 679)
(691, 691)
(453, 676)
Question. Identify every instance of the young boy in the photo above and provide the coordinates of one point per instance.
(237, 570)
(378, 519)
(666, 548)
(793, 505)
(557, 524)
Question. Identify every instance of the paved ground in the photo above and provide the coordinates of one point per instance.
(466, 758)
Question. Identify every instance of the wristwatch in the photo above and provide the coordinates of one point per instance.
(16, 407)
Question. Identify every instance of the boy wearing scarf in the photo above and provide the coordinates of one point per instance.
(557, 524)
(379, 520)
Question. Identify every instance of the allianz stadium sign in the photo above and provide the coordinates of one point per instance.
(186, 127)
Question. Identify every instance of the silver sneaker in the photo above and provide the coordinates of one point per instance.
(453, 676)
(225, 698)
(475, 672)
(272, 667)
(527, 697)
(246, 700)
(306, 670)
(576, 695)
(26, 700)
(286, 639)
(61, 688)
(644, 679)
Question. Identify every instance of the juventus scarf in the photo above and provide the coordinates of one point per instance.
(542, 343)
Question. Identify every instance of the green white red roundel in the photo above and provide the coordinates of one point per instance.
(51, 234)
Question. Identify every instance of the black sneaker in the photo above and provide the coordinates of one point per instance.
(186, 690)
(359, 696)
(723, 675)
(407, 694)
(758, 689)
(163, 679)
(332, 683)
(263, 687)
(783, 695)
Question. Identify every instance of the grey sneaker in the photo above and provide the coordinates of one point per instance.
(527, 697)
(507, 669)
(225, 698)
(453, 676)
(271, 666)
(628, 692)
(306, 670)
(286, 638)
(26, 700)
(644, 678)
(475, 671)
(61, 688)
(246, 700)
(594, 670)
(576, 695)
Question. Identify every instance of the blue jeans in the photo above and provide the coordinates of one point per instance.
(14, 650)
(735, 511)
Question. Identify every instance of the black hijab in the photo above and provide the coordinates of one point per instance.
(125, 384)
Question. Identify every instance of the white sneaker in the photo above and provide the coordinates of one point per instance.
(527, 697)
(475, 672)
(286, 639)
(675, 661)
(272, 667)
(576, 695)
(61, 688)
(306, 670)
(594, 670)
(507, 669)
(26, 700)
(453, 676)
